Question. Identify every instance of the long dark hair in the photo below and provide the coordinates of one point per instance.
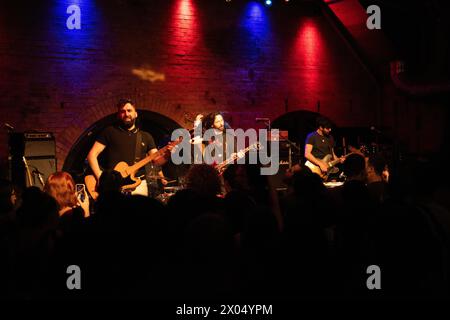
(208, 122)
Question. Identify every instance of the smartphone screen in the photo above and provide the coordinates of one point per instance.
(80, 191)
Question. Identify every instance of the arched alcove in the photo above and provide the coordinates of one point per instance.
(158, 125)
(298, 123)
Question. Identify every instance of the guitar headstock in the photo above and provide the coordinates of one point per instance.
(256, 146)
(177, 141)
(364, 150)
(167, 149)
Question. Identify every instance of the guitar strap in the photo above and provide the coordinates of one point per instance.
(224, 145)
(138, 155)
(138, 151)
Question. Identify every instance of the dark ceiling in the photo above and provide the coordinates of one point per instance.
(420, 33)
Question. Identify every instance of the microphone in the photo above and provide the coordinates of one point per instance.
(36, 171)
(39, 174)
(41, 180)
(10, 127)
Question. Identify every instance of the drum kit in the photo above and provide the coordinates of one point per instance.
(167, 194)
(168, 191)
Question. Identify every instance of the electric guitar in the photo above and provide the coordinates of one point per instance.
(330, 163)
(128, 172)
(222, 166)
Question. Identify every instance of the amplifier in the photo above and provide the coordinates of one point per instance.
(281, 136)
(38, 149)
(289, 155)
(34, 144)
(38, 135)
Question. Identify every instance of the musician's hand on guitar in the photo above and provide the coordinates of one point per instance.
(342, 159)
(160, 161)
(385, 175)
(323, 166)
(99, 175)
(199, 118)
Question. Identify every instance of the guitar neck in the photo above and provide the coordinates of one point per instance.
(231, 159)
(135, 167)
(335, 162)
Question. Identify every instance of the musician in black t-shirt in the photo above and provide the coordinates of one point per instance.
(119, 144)
(320, 143)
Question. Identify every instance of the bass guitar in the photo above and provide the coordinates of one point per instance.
(128, 172)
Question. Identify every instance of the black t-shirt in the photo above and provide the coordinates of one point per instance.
(121, 146)
(322, 145)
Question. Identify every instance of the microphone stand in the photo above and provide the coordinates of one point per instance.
(28, 171)
(10, 130)
(267, 123)
(291, 144)
(269, 134)
(39, 174)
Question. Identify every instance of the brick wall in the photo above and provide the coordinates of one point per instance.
(174, 57)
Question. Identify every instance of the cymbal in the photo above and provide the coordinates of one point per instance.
(165, 178)
(172, 188)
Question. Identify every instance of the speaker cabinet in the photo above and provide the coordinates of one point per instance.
(277, 180)
(35, 151)
(289, 155)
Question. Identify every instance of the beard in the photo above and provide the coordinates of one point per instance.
(128, 123)
(218, 131)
